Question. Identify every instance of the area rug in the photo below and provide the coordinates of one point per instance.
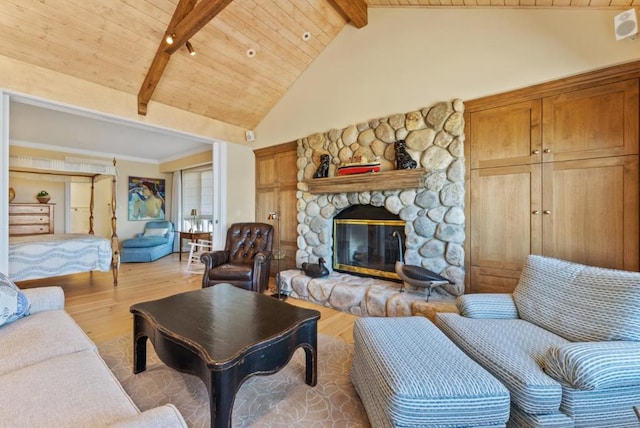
(278, 400)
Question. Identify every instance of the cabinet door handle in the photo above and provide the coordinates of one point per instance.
(547, 212)
(547, 150)
(536, 152)
(535, 212)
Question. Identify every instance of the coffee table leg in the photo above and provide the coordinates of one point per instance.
(139, 346)
(221, 396)
(311, 372)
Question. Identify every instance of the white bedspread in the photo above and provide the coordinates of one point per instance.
(42, 256)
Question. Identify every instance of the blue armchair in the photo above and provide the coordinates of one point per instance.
(156, 241)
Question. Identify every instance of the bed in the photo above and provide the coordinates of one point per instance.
(43, 255)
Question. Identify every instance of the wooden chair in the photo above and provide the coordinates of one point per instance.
(194, 265)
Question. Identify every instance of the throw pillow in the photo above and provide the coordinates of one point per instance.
(13, 303)
(161, 231)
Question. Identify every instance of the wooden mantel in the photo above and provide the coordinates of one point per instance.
(386, 180)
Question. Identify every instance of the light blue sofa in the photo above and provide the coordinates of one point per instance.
(566, 343)
(156, 241)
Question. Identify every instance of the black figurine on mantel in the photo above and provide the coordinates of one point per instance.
(323, 169)
(403, 158)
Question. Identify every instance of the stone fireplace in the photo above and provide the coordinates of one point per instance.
(431, 206)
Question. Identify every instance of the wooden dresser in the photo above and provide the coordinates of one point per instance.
(30, 219)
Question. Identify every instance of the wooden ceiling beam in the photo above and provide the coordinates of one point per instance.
(200, 16)
(161, 59)
(354, 10)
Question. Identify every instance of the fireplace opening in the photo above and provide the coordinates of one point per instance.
(363, 242)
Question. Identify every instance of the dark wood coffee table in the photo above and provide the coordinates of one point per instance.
(224, 335)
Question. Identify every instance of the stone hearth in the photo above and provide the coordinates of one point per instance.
(364, 296)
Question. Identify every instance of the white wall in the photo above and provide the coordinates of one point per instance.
(241, 192)
(408, 58)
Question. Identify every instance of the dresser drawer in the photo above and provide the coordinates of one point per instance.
(29, 209)
(29, 219)
(28, 230)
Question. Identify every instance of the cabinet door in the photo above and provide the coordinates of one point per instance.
(505, 224)
(266, 172)
(591, 123)
(288, 225)
(508, 135)
(287, 168)
(591, 211)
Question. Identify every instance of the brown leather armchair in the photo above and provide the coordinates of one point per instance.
(245, 261)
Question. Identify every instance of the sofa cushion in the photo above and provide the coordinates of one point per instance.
(39, 337)
(232, 272)
(512, 351)
(149, 241)
(73, 390)
(13, 303)
(595, 365)
(580, 303)
(151, 231)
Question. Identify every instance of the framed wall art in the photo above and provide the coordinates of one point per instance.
(146, 198)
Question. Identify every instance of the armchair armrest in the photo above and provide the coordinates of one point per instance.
(490, 305)
(594, 365)
(164, 416)
(214, 258)
(262, 257)
(44, 298)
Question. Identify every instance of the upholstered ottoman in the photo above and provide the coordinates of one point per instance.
(409, 374)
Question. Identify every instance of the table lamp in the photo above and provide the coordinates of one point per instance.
(194, 214)
(274, 215)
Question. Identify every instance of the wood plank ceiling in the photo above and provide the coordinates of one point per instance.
(248, 55)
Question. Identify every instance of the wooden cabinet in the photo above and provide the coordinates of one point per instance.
(30, 219)
(590, 211)
(503, 228)
(555, 175)
(276, 187)
(595, 122)
(505, 135)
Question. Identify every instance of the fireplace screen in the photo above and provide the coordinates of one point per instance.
(366, 247)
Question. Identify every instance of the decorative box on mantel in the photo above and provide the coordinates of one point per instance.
(385, 180)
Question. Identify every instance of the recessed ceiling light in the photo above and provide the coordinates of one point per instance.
(306, 36)
(251, 52)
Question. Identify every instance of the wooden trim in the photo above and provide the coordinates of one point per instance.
(272, 150)
(386, 180)
(354, 10)
(91, 205)
(611, 74)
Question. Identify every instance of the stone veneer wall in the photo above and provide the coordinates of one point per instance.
(434, 212)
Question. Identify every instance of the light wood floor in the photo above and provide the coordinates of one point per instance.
(102, 310)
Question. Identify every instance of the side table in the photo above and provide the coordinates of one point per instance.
(193, 236)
